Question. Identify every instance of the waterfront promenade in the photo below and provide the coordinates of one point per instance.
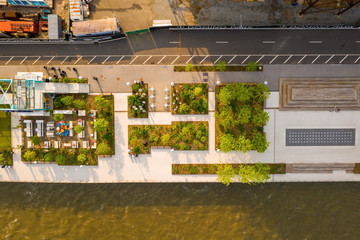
(156, 167)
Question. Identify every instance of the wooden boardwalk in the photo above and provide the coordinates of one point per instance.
(302, 94)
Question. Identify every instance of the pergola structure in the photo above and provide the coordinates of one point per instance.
(18, 95)
(337, 6)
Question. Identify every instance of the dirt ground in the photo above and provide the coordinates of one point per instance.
(139, 14)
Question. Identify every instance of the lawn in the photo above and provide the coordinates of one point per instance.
(5, 130)
(189, 98)
(178, 135)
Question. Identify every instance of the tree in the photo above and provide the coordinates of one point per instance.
(81, 158)
(48, 157)
(68, 100)
(78, 129)
(103, 148)
(244, 114)
(29, 156)
(254, 174)
(189, 67)
(226, 117)
(35, 140)
(252, 66)
(2, 158)
(221, 66)
(165, 139)
(260, 118)
(58, 117)
(79, 104)
(101, 102)
(101, 125)
(184, 109)
(225, 95)
(243, 144)
(259, 142)
(241, 92)
(226, 174)
(261, 92)
(60, 159)
(198, 91)
(227, 143)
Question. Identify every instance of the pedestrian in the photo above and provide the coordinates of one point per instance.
(52, 68)
(75, 69)
(95, 78)
(56, 76)
(45, 67)
(63, 72)
(3, 166)
(58, 68)
(62, 75)
(142, 83)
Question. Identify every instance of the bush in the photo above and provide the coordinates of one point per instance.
(137, 150)
(135, 87)
(243, 144)
(29, 156)
(252, 66)
(184, 109)
(48, 157)
(78, 129)
(101, 125)
(101, 102)
(259, 142)
(60, 159)
(103, 148)
(227, 143)
(81, 158)
(260, 118)
(35, 140)
(165, 139)
(194, 170)
(189, 67)
(198, 91)
(244, 114)
(66, 79)
(58, 117)
(226, 174)
(253, 174)
(79, 104)
(68, 100)
(221, 66)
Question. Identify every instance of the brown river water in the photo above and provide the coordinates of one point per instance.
(180, 211)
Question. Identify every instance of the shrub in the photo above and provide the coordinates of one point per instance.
(194, 105)
(60, 159)
(103, 148)
(198, 91)
(29, 156)
(243, 144)
(221, 66)
(66, 79)
(135, 87)
(153, 138)
(175, 170)
(101, 102)
(2, 158)
(48, 157)
(194, 170)
(252, 66)
(189, 67)
(184, 109)
(260, 118)
(35, 140)
(58, 117)
(226, 174)
(165, 139)
(244, 114)
(101, 125)
(259, 142)
(253, 174)
(79, 104)
(78, 129)
(68, 100)
(81, 158)
(227, 143)
(184, 147)
(137, 150)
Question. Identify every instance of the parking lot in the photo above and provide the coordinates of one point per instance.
(183, 59)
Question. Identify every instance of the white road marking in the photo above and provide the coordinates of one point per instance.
(315, 59)
(315, 41)
(357, 60)
(36, 60)
(203, 59)
(343, 59)
(245, 59)
(287, 59)
(268, 42)
(64, 60)
(232, 59)
(89, 61)
(222, 41)
(105, 60)
(9, 60)
(260, 58)
(133, 60)
(302, 59)
(161, 59)
(147, 59)
(189, 59)
(357, 41)
(175, 42)
(329, 59)
(217, 59)
(175, 60)
(80, 59)
(273, 59)
(50, 60)
(23, 60)
(120, 59)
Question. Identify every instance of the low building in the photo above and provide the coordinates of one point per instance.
(55, 26)
(94, 28)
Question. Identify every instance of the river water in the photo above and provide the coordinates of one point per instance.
(180, 211)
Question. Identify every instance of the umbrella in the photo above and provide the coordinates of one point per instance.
(152, 89)
(166, 105)
(166, 98)
(166, 89)
(152, 105)
(152, 96)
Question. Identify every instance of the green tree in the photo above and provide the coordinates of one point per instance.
(221, 66)
(260, 118)
(68, 100)
(243, 144)
(58, 117)
(60, 159)
(2, 158)
(254, 174)
(101, 102)
(101, 125)
(35, 140)
(261, 92)
(103, 148)
(225, 95)
(227, 143)
(226, 117)
(198, 91)
(189, 67)
(29, 156)
(226, 174)
(81, 158)
(241, 92)
(165, 139)
(259, 142)
(252, 66)
(184, 109)
(48, 157)
(79, 104)
(78, 129)
(243, 114)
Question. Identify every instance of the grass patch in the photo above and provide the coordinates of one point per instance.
(5, 129)
(184, 169)
(178, 135)
(189, 98)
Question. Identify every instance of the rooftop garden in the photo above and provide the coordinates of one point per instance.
(178, 136)
(71, 101)
(189, 98)
(239, 117)
(5, 139)
(138, 103)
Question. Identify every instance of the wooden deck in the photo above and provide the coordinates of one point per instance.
(302, 94)
(319, 167)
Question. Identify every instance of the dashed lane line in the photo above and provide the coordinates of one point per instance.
(315, 59)
(50, 60)
(302, 59)
(245, 59)
(105, 60)
(329, 59)
(119, 60)
(273, 59)
(36, 60)
(232, 59)
(64, 60)
(161, 59)
(134, 59)
(203, 59)
(287, 59)
(23, 60)
(89, 61)
(147, 59)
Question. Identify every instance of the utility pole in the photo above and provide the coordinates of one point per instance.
(180, 47)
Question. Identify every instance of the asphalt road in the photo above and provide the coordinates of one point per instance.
(202, 42)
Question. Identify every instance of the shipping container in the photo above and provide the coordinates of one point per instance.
(19, 26)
